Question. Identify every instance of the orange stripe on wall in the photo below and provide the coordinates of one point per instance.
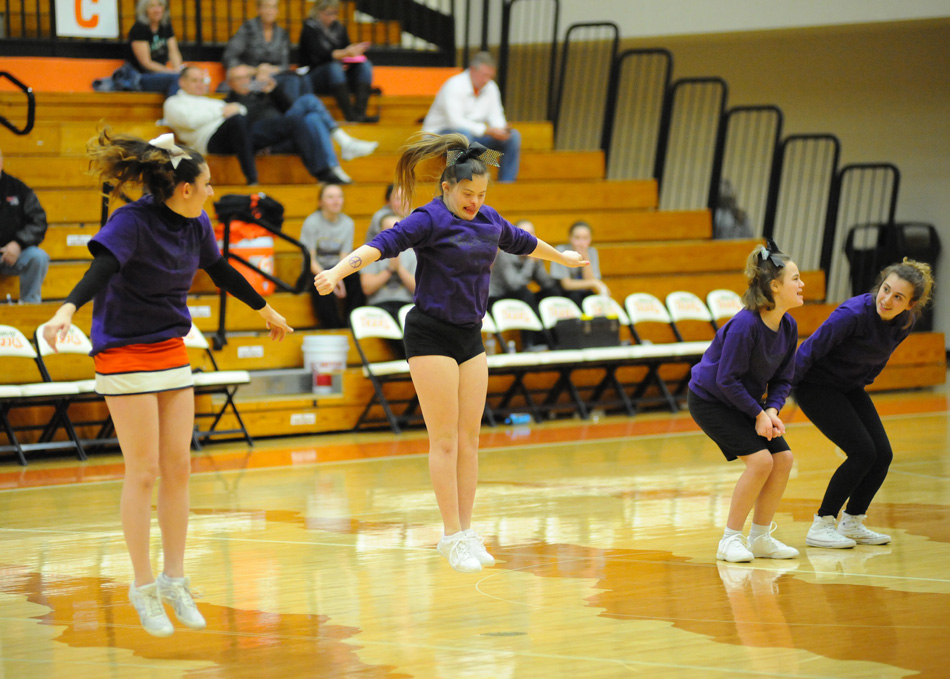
(53, 74)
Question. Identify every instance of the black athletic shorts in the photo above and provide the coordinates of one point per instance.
(427, 336)
(732, 430)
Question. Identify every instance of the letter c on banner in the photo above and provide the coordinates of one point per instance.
(91, 22)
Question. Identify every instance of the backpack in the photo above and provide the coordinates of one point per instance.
(257, 208)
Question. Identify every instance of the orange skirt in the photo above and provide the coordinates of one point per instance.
(143, 368)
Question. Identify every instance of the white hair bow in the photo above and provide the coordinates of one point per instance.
(166, 142)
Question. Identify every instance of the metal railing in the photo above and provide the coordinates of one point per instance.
(30, 107)
(634, 111)
(586, 67)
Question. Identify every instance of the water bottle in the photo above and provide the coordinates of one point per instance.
(511, 347)
(491, 346)
(518, 418)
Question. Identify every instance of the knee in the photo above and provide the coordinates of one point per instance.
(176, 472)
(760, 464)
(514, 139)
(336, 74)
(142, 477)
(34, 258)
(782, 462)
(446, 445)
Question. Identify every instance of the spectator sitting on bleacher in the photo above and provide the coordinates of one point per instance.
(510, 276)
(22, 229)
(304, 125)
(391, 283)
(210, 125)
(470, 103)
(394, 206)
(261, 43)
(152, 45)
(580, 283)
(337, 66)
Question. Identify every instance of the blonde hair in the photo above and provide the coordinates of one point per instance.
(424, 145)
(121, 159)
(141, 11)
(762, 266)
(919, 275)
(321, 5)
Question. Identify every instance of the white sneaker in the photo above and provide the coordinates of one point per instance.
(455, 549)
(767, 547)
(177, 592)
(351, 148)
(476, 545)
(341, 175)
(734, 549)
(148, 605)
(823, 533)
(852, 526)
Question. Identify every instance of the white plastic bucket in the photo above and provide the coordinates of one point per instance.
(324, 355)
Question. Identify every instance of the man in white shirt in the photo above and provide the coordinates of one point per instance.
(210, 125)
(470, 103)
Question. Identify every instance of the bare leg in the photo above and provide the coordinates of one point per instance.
(176, 413)
(136, 426)
(773, 489)
(472, 390)
(436, 380)
(758, 467)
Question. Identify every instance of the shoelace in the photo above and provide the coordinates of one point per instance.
(460, 550)
(178, 592)
(153, 603)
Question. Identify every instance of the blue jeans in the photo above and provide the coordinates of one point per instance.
(294, 85)
(166, 83)
(31, 267)
(307, 125)
(510, 162)
(326, 76)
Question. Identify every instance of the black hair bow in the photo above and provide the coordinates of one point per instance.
(462, 159)
(772, 253)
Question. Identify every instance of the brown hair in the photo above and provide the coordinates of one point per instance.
(919, 275)
(424, 145)
(762, 266)
(120, 159)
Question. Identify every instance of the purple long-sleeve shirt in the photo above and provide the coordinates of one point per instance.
(851, 347)
(746, 360)
(454, 258)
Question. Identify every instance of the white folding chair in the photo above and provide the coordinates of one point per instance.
(403, 312)
(604, 305)
(368, 322)
(685, 306)
(15, 347)
(723, 305)
(216, 382)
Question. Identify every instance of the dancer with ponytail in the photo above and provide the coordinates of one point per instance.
(455, 237)
(144, 260)
(753, 354)
(832, 369)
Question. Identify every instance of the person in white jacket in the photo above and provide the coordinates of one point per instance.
(470, 103)
(210, 125)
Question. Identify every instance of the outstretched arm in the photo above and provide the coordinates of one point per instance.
(568, 258)
(327, 279)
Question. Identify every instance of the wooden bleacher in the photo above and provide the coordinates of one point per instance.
(641, 248)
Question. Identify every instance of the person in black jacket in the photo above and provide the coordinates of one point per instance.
(337, 66)
(22, 229)
(304, 125)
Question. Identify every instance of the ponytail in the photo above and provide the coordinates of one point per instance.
(423, 146)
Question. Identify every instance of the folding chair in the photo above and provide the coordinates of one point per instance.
(686, 307)
(15, 346)
(403, 312)
(216, 382)
(75, 343)
(723, 304)
(372, 322)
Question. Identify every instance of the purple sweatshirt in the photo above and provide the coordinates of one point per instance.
(851, 347)
(454, 258)
(745, 360)
(158, 253)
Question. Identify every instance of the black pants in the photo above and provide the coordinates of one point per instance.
(234, 137)
(851, 422)
(327, 307)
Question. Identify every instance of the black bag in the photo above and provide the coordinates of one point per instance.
(257, 208)
(575, 333)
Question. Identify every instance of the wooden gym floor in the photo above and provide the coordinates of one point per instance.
(314, 558)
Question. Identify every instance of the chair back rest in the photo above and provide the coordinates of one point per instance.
(513, 314)
(403, 312)
(643, 307)
(195, 339)
(371, 321)
(488, 325)
(554, 309)
(723, 303)
(685, 306)
(604, 305)
(14, 343)
(75, 342)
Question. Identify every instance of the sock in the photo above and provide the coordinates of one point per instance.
(339, 136)
(175, 581)
(454, 536)
(728, 533)
(758, 530)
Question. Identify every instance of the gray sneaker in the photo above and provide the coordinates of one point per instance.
(151, 612)
(823, 533)
(177, 592)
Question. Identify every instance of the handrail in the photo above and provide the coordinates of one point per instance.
(30, 107)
